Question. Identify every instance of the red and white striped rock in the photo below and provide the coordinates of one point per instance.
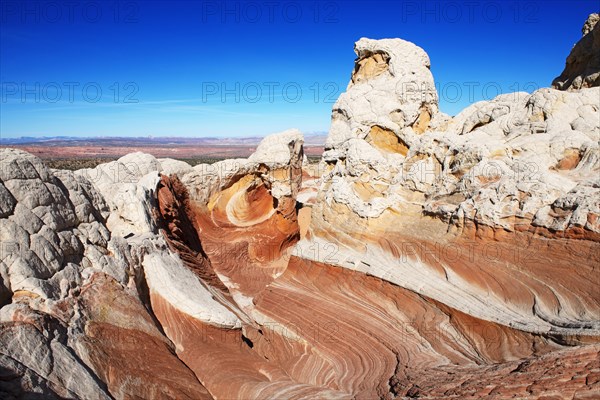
(423, 257)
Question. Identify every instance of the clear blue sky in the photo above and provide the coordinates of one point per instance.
(162, 66)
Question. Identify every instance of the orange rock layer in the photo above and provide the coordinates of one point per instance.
(313, 330)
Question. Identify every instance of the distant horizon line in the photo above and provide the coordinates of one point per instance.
(75, 137)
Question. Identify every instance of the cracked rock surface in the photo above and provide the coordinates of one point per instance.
(424, 256)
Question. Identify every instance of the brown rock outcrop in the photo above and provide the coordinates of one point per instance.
(582, 69)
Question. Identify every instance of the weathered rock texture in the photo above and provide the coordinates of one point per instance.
(583, 64)
(425, 256)
(508, 188)
(74, 323)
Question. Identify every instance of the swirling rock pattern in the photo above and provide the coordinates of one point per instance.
(509, 176)
(424, 256)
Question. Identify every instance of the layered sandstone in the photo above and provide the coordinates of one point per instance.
(441, 207)
(425, 256)
(74, 322)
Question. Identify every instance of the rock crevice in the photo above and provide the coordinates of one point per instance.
(424, 256)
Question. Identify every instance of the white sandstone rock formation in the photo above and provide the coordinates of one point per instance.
(272, 154)
(168, 278)
(60, 236)
(519, 162)
(451, 250)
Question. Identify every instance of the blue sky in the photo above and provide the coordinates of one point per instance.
(244, 68)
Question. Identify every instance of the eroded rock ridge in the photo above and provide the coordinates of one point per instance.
(424, 256)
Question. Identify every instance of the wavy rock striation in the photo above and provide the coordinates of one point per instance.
(424, 256)
(74, 323)
(483, 212)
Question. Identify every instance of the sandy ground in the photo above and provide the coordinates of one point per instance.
(180, 152)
